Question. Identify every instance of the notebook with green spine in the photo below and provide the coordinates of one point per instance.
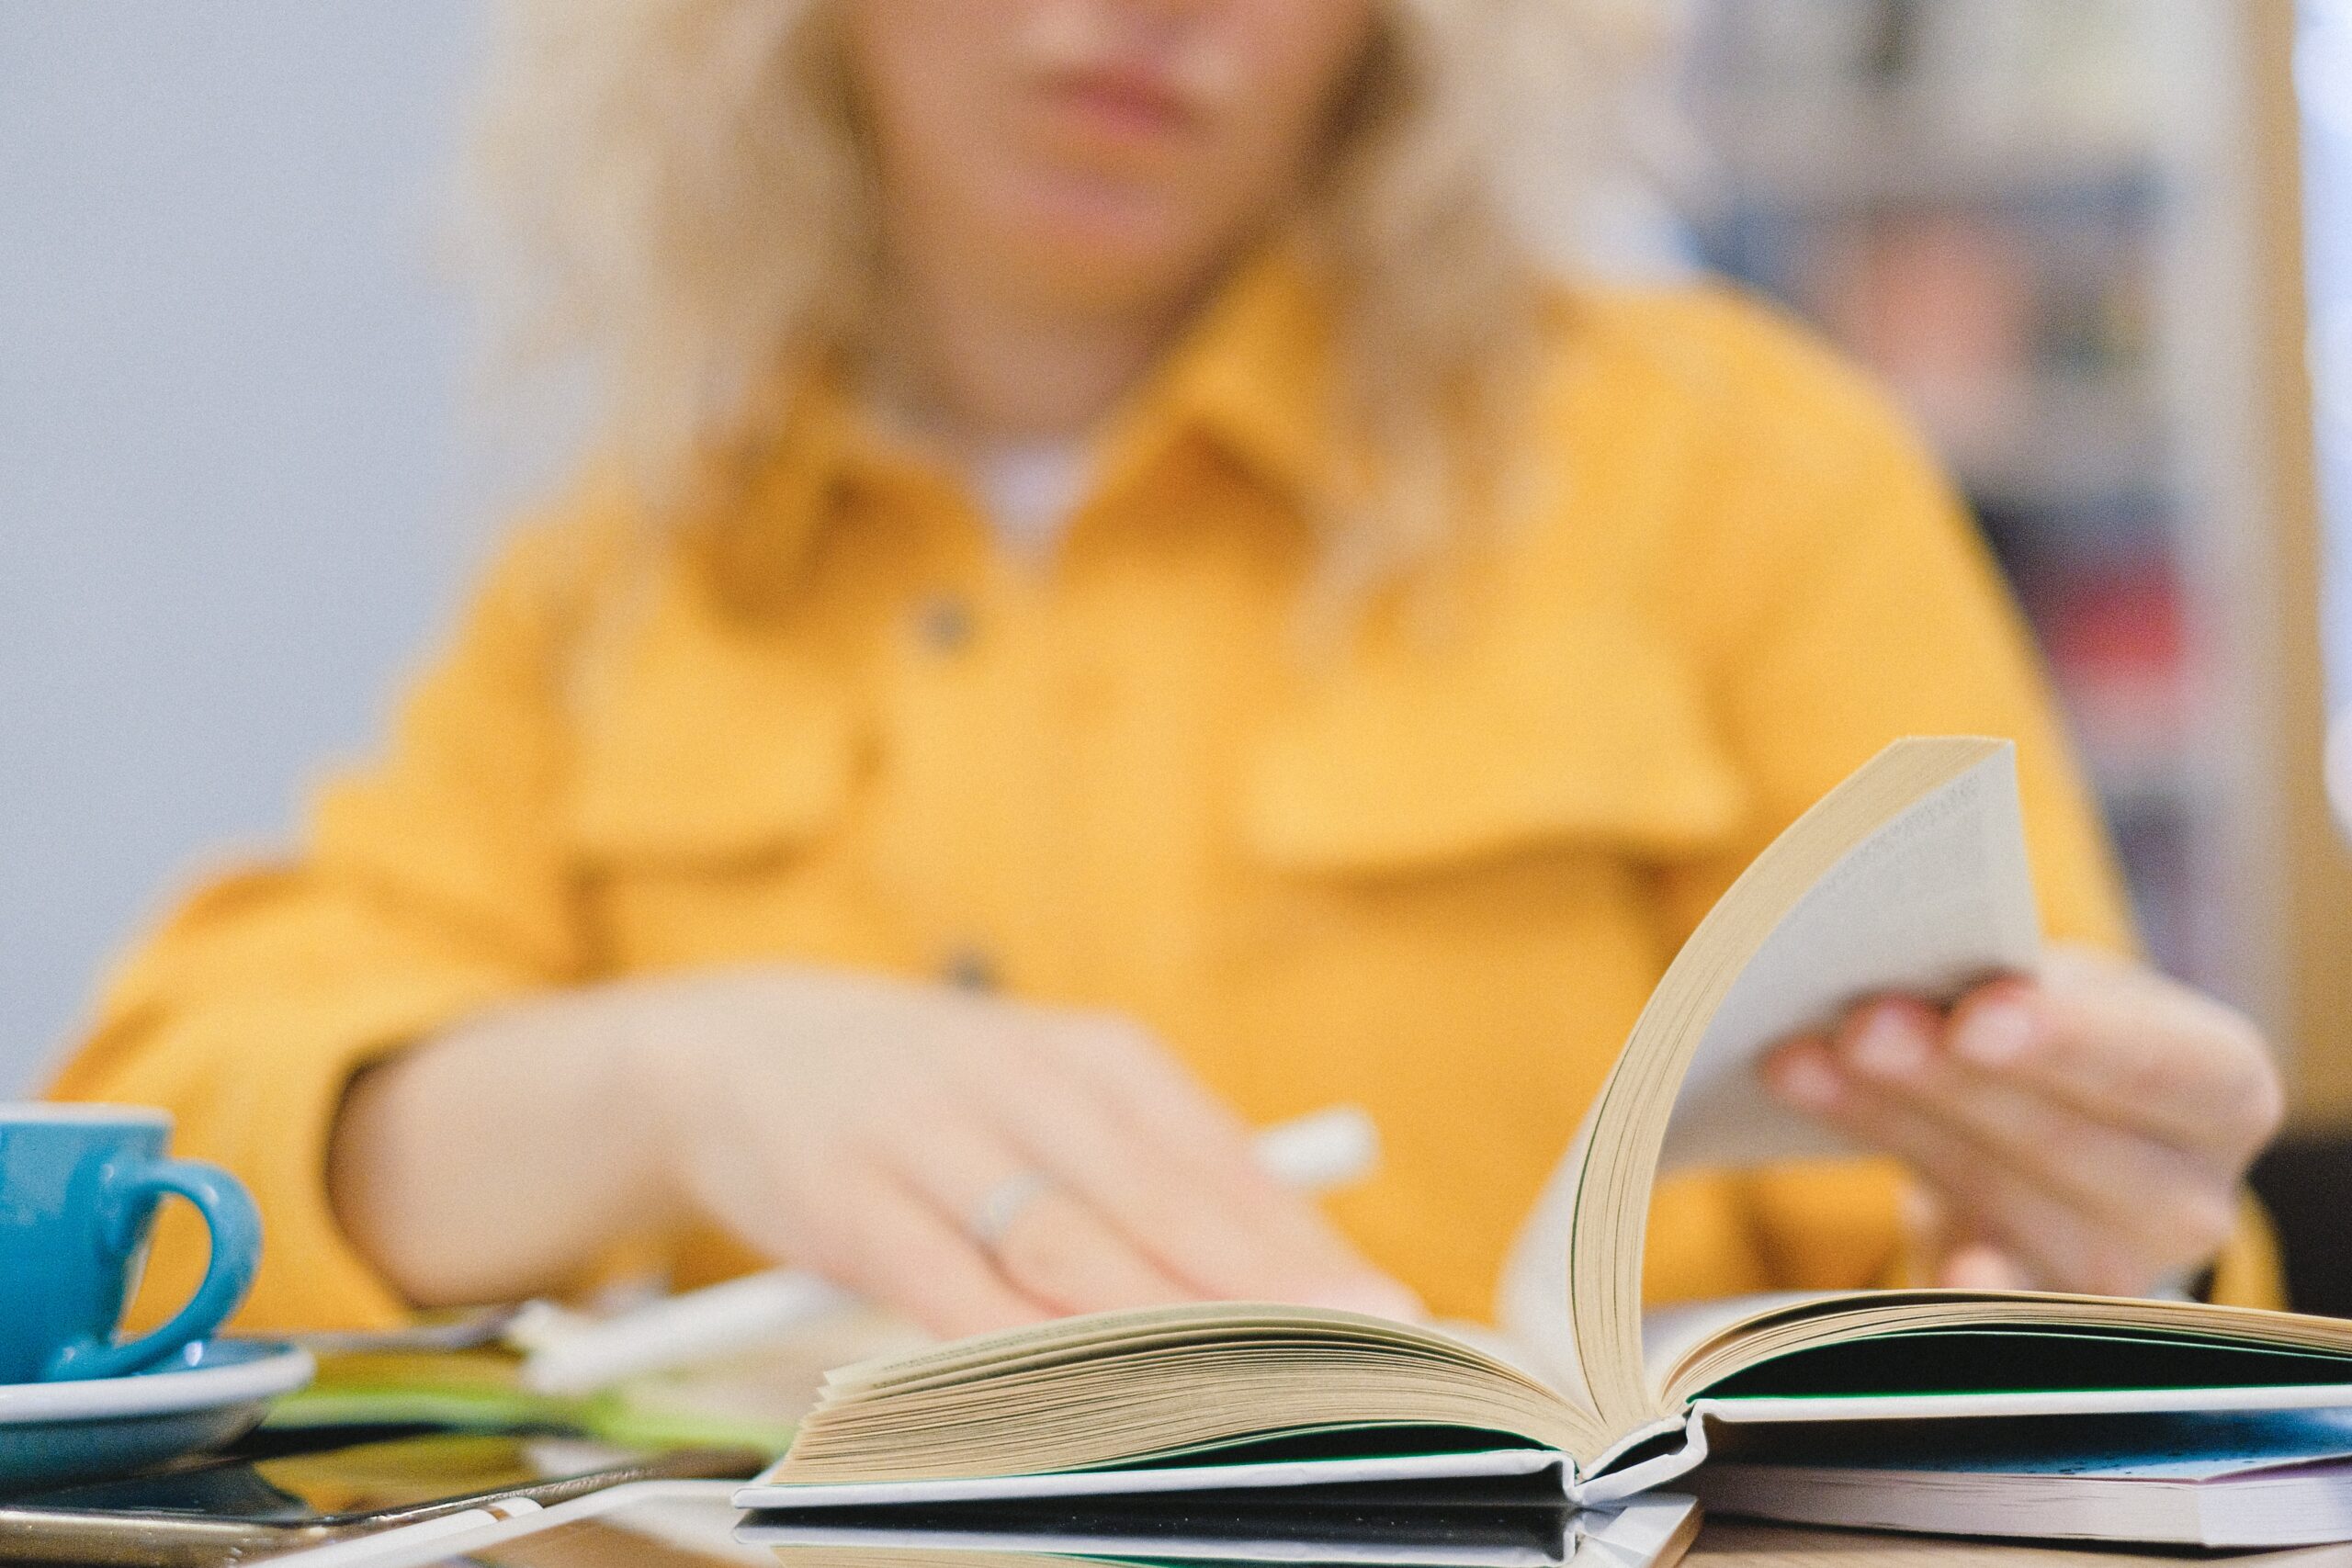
(1911, 876)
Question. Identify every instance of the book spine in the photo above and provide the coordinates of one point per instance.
(1612, 1480)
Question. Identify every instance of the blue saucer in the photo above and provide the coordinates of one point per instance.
(212, 1392)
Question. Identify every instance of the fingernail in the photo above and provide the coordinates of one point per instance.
(1890, 1045)
(1806, 1081)
(1994, 1034)
(1983, 1269)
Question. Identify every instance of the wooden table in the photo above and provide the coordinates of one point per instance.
(1736, 1543)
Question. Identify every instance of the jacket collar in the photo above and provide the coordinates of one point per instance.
(1251, 375)
(1558, 713)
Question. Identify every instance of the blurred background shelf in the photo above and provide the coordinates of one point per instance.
(2029, 216)
(1839, 145)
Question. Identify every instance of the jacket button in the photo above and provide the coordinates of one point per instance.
(945, 625)
(969, 969)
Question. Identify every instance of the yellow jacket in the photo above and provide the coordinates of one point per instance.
(1432, 868)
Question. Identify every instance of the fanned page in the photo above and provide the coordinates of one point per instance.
(1937, 897)
(1909, 875)
(1229, 1396)
(1798, 1357)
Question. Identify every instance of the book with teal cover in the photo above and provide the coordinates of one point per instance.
(2213, 1479)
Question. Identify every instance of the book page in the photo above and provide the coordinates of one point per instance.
(1909, 874)
(1207, 1384)
(1530, 1297)
(1941, 897)
(1924, 1347)
(1669, 1335)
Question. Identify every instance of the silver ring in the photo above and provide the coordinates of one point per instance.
(1000, 1205)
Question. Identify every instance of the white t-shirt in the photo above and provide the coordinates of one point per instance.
(1030, 491)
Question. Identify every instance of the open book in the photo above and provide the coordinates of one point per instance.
(1909, 875)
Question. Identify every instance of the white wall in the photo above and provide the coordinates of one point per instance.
(234, 500)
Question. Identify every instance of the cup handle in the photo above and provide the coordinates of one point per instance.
(229, 1213)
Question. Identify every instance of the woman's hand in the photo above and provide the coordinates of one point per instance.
(863, 1127)
(2086, 1129)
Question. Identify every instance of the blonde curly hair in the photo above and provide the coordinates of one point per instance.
(677, 193)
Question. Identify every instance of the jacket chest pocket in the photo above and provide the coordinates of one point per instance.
(713, 777)
(1460, 844)
(1445, 908)
(1592, 735)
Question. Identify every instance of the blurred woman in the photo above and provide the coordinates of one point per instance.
(1122, 602)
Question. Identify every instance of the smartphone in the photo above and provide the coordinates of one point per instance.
(282, 1491)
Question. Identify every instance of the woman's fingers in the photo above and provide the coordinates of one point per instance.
(1144, 1084)
(2129, 1047)
(2093, 1123)
(2172, 1202)
(2055, 1241)
(1980, 1266)
(1958, 1257)
(884, 1239)
(1060, 1252)
(1053, 1247)
(862, 1127)
(1127, 1132)
(1247, 1234)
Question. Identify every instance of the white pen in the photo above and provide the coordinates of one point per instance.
(567, 1352)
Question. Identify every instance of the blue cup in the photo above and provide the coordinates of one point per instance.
(79, 1187)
